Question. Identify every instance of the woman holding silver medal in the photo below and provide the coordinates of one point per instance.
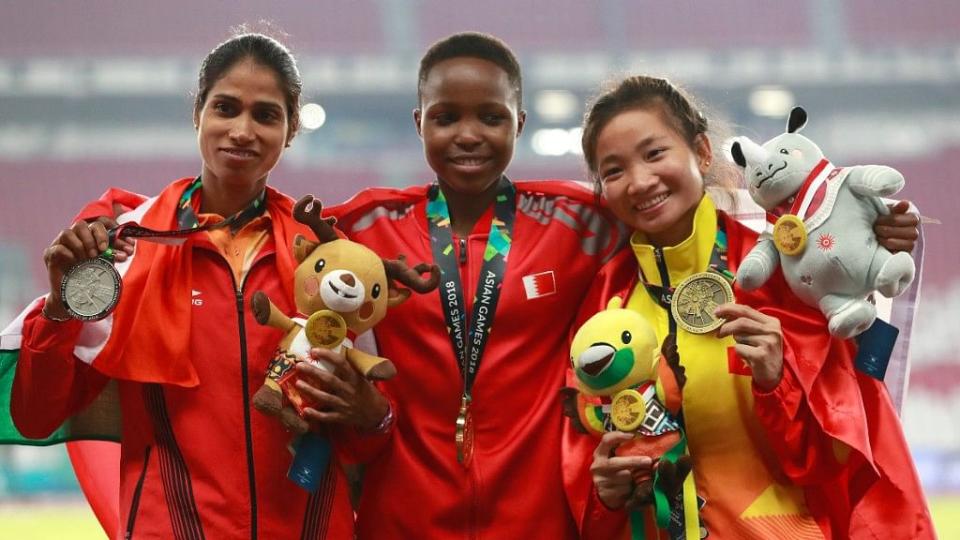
(785, 439)
(196, 460)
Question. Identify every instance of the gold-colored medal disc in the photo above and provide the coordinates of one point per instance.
(695, 299)
(325, 329)
(627, 410)
(464, 436)
(789, 235)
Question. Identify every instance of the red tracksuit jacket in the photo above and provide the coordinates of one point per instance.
(195, 462)
(414, 487)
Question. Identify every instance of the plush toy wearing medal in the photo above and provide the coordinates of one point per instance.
(819, 227)
(341, 287)
(626, 383)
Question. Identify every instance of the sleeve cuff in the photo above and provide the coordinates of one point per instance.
(786, 396)
(601, 521)
(44, 334)
(597, 505)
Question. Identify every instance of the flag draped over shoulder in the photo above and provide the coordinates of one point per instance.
(102, 343)
(100, 421)
(156, 294)
(899, 311)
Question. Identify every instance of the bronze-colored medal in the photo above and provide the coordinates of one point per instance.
(326, 329)
(789, 235)
(464, 437)
(91, 289)
(695, 299)
(627, 410)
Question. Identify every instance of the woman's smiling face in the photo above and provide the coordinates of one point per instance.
(242, 128)
(651, 177)
(469, 122)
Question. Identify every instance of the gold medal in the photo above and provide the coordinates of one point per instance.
(326, 329)
(789, 235)
(627, 410)
(464, 435)
(695, 299)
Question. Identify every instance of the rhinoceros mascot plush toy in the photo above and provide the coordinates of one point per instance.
(820, 227)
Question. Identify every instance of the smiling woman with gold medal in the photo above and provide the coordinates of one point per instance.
(786, 439)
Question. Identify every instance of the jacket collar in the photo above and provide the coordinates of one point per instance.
(686, 258)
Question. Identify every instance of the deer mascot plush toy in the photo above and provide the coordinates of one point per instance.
(820, 227)
(341, 287)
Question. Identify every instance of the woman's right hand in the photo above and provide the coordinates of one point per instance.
(615, 476)
(83, 240)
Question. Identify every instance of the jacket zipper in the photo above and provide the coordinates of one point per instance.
(135, 502)
(665, 283)
(463, 251)
(245, 393)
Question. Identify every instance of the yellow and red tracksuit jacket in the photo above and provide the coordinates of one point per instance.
(820, 456)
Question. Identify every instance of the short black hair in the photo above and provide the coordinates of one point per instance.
(472, 45)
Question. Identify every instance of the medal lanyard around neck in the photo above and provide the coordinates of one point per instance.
(469, 348)
(187, 221)
(187, 218)
(663, 294)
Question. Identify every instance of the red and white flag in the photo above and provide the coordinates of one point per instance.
(538, 285)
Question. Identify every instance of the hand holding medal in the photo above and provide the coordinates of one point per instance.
(84, 284)
(77, 246)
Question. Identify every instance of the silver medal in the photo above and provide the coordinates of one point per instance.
(90, 290)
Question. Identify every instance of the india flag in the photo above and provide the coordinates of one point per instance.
(99, 421)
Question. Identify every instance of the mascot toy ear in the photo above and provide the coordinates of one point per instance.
(798, 119)
(736, 152)
(615, 303)
(396, 295)
(302, 248)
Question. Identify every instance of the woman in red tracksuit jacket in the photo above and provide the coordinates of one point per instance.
(196, 460)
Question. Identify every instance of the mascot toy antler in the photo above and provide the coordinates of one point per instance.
(820, 227)
(340, 286)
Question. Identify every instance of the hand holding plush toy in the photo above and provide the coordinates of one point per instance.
(820, 227)
(341, 286)
(627, 383)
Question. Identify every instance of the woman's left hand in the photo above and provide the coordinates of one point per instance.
(897, 231)
(342, 396)
(759, 342)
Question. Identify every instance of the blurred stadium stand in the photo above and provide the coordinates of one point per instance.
(94, 94)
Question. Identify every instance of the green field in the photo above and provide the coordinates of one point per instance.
(76, 522)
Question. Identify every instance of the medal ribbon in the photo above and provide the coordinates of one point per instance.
(469, 347)
(677, 525)
(663, 294)
(187, 220)
(820, 174)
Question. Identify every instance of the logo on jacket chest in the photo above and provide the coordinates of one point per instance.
(540, 284)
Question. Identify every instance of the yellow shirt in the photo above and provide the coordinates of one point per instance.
(735, 471)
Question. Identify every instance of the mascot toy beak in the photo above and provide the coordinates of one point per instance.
(596, 358)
